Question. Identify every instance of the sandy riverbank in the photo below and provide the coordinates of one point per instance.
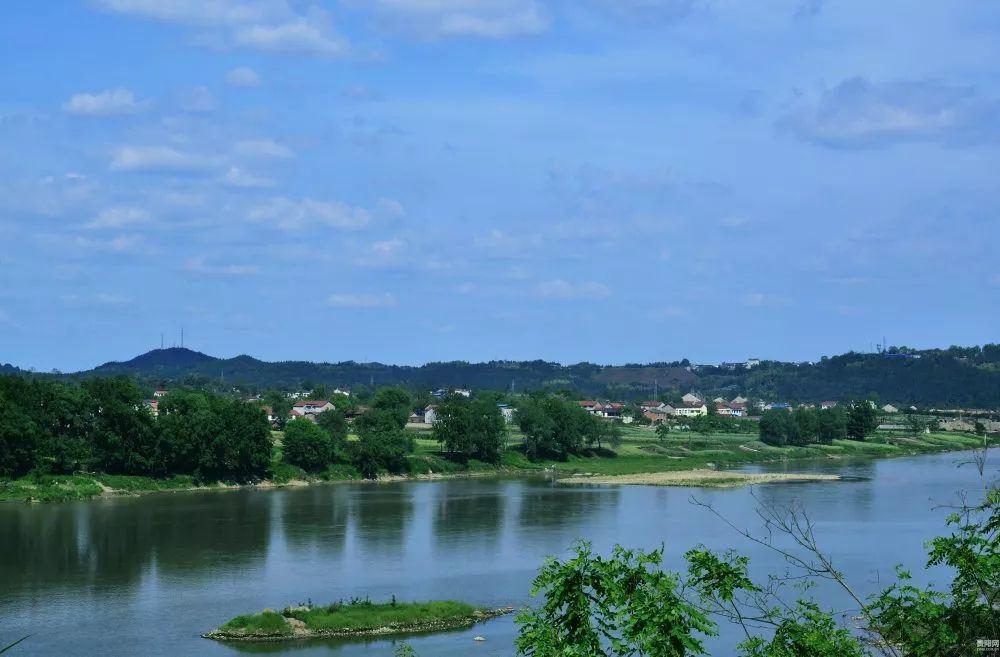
(700, 478)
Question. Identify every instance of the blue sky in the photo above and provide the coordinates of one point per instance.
(416, 180)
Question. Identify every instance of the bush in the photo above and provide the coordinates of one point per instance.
(307, 445)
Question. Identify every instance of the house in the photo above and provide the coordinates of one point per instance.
(740, 399)
(739, 408)
(751, 363)
(441, 393)
(416, 417)
(342, 391)
(722, 409)
(652, 405)
(507, 412)
(613, 409)
(592, 407)
(153, 405)
(828, 404)
(719, 400)
(312, 406)
(655, 417)
(778, 406)
(430, 414)
(271, 417)
(159, 392)
(691, 409)
(691, 398)
(889, 408)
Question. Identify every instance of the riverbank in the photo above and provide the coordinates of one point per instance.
(640, 452)
(354, 619)
(699, 478)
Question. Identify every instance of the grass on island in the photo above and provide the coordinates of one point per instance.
(353, 617)
(640, 451)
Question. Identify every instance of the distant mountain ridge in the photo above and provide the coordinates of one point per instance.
(953, 377)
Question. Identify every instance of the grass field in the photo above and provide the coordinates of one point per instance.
(640, 452)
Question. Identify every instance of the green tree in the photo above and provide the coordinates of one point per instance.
(335, 424)
(241, 449)
(862, 419)
(396, 401)
(124, 434)
(281, 406)
(471, 428)
(381, 445)
(188, 423)
(19, 439)
(623, 605)
(307, 445)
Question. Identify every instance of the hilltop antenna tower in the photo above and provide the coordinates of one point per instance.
(182, 337)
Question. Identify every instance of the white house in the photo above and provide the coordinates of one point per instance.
(691, 398)
(740, 399)
(430, 414)
(691, 410)
(342, 391)
(889, 408)
(159, 392)
(723, 409)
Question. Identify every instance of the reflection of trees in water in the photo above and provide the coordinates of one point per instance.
(314, 518)
(380, 515)
(548, 507)
(468, 514)
(77, 546)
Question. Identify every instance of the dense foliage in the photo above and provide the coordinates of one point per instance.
(471, 428)
(307, 445)
(382, 443)
(556, 428)
(104, 425)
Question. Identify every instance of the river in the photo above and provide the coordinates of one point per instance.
(147, 575)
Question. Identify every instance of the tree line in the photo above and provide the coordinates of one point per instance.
(104, 425)
(803, 426)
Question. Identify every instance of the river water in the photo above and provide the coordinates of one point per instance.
(148, 575)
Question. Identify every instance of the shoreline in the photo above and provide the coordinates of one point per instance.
(700, 478)
(720, 472)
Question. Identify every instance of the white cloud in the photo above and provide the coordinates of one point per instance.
(243, 76)
(237, 177)
(384, 253)
(295, 214)
(99, 299)
(361, 300)
(561, 289)
(262, 148)
(117, 244)
(299, 36)
(264, 25)
(158, 158)
(114, 102)
(461, 18)
(118, 217)
(200, 265)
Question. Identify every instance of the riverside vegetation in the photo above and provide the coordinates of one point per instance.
(63, 441)
(353, 618)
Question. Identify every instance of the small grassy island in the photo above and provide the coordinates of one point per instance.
(354, 618)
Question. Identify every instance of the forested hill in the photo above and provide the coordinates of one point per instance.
(958, 376)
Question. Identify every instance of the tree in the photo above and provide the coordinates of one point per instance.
(188, 422)
(774, 427)
(663, 433)
(281, 406)
(537, 427)
(622, 605)
(335, 425)
(381, 444)
(124, 435)
(979, 428)
(914, 424)
(19, 440)
(307, 445)
(471, 428)
(241, 449)
(862, 419)
(396, 401)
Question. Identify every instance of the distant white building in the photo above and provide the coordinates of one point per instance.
(507, 412)
(342, 391)
(693, 409)
(889, 408)
(430, 414)
(312, 406)
(751, 363)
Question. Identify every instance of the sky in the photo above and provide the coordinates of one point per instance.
(421, 180)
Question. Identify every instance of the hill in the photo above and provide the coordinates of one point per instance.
(953, 377)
